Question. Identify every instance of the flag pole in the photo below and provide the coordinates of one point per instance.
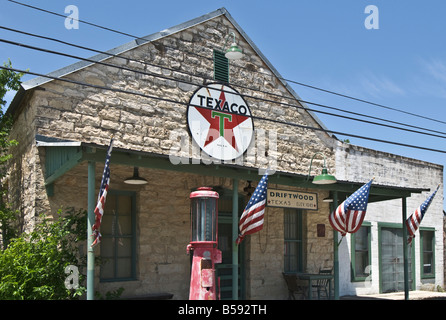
(235, 249)
(335, 252)
(90, 221)
(406, 262)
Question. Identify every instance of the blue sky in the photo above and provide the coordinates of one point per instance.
(320, 43)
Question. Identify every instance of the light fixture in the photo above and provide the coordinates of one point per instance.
(328, 199)
(234, 52)
(135, 179)
(324, 177)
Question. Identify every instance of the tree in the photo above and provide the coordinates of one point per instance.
(33, 266)
(9, 80)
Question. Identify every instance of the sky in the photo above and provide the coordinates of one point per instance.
(392, 54)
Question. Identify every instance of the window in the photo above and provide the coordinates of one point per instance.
(293, 241)
(360, 244)
(118, 237)
(427, 243)
(221, 67)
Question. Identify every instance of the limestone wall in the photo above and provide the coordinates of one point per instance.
(140, 123)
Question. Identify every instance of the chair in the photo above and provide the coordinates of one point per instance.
(322, 285)
(294, 285)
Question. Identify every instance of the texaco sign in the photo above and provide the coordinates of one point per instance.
(220, 121)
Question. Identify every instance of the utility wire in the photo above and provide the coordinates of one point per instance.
(188, 104)
(240, 86)
(292, 81)
(187, 82)
(83, 21)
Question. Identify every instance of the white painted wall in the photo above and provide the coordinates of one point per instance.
(359, 164)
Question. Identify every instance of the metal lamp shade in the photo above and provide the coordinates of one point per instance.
(234, 52)
(324, 178)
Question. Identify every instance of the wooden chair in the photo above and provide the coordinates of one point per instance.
(294, 286)
(322, 285)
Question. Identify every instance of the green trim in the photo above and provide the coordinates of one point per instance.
(226, 217)
(91, 203)
(422, 274)
(298, 240)
(156, 161)
(133, 236)
(163, 162)
(354, 277)
(393, 226)
(221, 67)
(59, 160)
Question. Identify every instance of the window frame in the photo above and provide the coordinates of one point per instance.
(132, 237)
(354, 277)
(298, 240)
(221, 66)
(424, 275)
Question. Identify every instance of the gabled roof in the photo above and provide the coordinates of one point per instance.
(38, 81)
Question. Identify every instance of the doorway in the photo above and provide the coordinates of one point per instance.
(226, 245)
(392, 260)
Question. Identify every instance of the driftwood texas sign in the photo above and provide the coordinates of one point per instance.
(220, 122)
(291, 199)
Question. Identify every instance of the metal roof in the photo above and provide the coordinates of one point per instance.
(81, 151)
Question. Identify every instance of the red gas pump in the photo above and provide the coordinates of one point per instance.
(204, 212)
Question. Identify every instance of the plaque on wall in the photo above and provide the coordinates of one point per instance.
(292, 199)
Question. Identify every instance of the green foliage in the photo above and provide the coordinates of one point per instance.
(33, 266)
(109, 295)
(9, 80)
(7, 226)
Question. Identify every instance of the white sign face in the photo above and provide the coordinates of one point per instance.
(220, 121)
(291, 199)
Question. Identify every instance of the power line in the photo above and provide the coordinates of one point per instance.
(292, 81)
(83, 21)
(248, 96)
(253, 117)
(240, 86)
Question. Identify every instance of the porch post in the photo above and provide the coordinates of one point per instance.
(335, 251)
(234, 237)
(90, 222)
(406, 263)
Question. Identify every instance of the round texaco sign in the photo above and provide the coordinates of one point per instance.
(220, 121)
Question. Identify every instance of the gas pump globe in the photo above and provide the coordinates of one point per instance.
(203, 244)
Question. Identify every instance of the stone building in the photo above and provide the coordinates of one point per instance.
(142, 94)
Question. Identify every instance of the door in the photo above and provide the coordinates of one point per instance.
(392, 260)
(225, 244)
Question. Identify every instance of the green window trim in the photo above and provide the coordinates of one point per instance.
(115, 252)
(427, 250)
(221, 67)
(293, 240)
(354, 276)
(410, 250)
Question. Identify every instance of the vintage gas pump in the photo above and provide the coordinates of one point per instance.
(203, 244)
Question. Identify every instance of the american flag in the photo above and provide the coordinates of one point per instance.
(413, 222)
(350, 214)
(99, 210)
(252, 217)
